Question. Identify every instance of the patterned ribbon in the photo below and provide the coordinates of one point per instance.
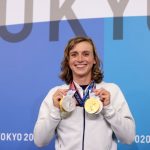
(77, 95)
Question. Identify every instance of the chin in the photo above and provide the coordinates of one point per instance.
(83, 74)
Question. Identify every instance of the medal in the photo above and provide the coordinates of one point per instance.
(60, 105)
(68, 103)
(63, 112)
(93, 105)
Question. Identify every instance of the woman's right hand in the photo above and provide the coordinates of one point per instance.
(58, 95)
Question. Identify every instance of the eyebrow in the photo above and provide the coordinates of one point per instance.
(73, 51)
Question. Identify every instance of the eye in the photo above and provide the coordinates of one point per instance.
(86, 53)
(73, 54)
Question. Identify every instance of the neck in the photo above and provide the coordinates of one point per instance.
(82, 81)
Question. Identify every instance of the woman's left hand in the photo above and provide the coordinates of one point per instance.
(104, 95)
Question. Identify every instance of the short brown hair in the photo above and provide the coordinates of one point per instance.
(66, 73)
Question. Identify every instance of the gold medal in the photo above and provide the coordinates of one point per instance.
(92, 105)
(60, 105)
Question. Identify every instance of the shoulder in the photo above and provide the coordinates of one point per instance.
(107, 85)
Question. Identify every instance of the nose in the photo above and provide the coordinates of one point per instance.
(80, 58)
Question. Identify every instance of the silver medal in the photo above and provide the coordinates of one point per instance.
(69, 103)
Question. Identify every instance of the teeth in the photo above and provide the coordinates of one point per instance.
(80, 65)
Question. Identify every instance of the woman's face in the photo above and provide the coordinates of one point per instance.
(81, 60)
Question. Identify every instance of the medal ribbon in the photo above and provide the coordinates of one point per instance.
(77, 95)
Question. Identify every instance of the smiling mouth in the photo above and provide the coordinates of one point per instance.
(80, 65)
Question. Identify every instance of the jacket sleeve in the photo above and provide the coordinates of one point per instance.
(119, 116)
(48, 119)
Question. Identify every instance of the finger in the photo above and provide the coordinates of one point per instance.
(104, 92)
(65, 91)
(96, 92)
(105, 97)
(59, 97)
(62, 91)
(99, 92)
(57, 104)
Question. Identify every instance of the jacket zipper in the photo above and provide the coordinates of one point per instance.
(83, 129)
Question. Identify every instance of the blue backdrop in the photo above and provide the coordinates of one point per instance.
(29, 68)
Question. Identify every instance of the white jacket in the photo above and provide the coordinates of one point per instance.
(93, 132)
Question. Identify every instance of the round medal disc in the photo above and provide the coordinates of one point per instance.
(60, 105)
(100, 108)
(92, 105)
(68, 103)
